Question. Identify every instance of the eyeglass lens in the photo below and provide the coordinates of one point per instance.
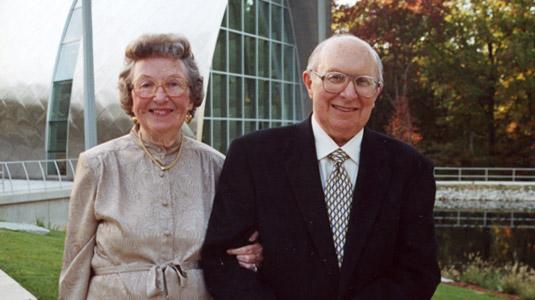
(147, 87)
(335, 82)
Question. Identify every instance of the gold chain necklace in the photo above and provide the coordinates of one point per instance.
(162, 167)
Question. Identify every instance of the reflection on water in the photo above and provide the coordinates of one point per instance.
(488, 219)
(496, 243)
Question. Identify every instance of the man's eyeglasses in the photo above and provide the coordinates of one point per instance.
(335, 82)
(173, 86)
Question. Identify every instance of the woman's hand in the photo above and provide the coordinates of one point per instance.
(250, 256)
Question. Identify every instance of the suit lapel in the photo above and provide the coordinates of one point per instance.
(372, 181)
(303, 172)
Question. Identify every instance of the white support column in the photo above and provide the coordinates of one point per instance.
(322, 34)
(90, 120)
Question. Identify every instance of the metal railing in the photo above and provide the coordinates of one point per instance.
(36, 175)
(485, 219)
(485, 174)
(2, 174)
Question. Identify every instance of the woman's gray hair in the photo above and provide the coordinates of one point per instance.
(159, 45)
(313, 58)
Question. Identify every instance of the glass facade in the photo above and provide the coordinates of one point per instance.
(254, 82)
(60, 100)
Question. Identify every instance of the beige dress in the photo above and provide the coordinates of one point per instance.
(134, 231)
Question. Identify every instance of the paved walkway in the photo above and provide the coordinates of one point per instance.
(12, 290)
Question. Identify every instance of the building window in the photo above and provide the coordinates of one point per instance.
(60, 98)
(254, 81)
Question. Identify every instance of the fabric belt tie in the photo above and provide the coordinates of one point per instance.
(167, 278)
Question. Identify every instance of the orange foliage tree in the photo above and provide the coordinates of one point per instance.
(396, 29)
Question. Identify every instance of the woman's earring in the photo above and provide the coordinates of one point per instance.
(135, 120)
(189, 115)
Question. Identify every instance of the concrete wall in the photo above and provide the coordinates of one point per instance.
(50, 207)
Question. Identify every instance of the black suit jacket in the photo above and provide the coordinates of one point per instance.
(271, 183)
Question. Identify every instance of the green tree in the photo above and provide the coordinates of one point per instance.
(396, 29)
(460, 74)
(517, 79)
(482, 65)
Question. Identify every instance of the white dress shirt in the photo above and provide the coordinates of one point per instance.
(325, 145)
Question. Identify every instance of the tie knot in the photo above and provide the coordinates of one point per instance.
(338, 156)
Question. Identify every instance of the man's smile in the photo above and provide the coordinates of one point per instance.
(343, 108)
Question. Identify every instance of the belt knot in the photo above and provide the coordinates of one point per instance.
(168, 278)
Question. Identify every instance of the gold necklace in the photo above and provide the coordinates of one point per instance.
(162, 167)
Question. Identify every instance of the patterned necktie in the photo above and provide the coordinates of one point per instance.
(338, 195)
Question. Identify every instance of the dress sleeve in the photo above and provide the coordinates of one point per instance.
(80, 237)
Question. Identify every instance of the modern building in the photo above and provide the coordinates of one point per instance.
(251, 52)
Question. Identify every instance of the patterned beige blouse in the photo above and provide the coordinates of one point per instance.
(134, 231)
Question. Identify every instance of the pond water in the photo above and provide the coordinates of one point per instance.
(489, 235)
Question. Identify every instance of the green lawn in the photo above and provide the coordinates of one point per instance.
(35, 262)
(448, 292)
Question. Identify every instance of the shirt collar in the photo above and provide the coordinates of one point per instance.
(325, 144)
(154, 147)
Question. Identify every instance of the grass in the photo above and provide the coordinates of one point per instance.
(448, 292)
(33, 260)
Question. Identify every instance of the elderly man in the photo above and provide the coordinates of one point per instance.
(343, 212)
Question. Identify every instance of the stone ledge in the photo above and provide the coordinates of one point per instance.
(24, 197)
(24, 227)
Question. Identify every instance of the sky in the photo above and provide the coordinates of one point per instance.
(345, 2)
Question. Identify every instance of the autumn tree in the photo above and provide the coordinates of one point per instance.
(482, 65)
(460, 74)
(517, 84)
(396, 28)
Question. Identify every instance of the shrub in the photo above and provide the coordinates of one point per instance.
(451, 272)
(517, 278)
(481, 273)
(511, 278)
(512, 284)
(528, 293)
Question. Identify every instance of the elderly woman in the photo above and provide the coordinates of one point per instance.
(140, 203)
